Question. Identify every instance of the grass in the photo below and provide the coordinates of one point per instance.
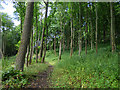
(35, 68)
(8, 62)
(51, 58)
(18, 79)
(85, 71)
(32, 69)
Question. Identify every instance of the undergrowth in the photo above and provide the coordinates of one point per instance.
(12, 78)
(86, 71)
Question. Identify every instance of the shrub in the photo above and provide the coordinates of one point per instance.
(14, 78)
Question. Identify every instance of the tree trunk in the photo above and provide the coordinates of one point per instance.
(112, 28)
(28, 51)
(45, 28)
(31, 52)
(45, 47)
(55, 44)
(60, 47)
(91, 28)
(40, 54)
(1, 54)
(42, 39)
(71, 47)
(20, 59)
(80, 35)
(60, 50)
(21, 24)
(64, 39)
(86, 31)
(96, 26)
(36, 35)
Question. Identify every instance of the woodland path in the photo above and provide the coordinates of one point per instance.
(41, 80)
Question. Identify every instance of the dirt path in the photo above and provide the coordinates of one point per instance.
(41, 80)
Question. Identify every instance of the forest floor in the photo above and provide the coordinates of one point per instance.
(42, 79)
(86, 71)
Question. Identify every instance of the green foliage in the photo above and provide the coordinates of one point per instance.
(17, 45)
(10, 35)
(14, 78)
(35, 68)
(20, 10)
(91, 71)
(51, 58)
(8, 62)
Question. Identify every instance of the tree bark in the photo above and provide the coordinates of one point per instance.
(1, 54)
(91, 27)
(28, 51)
(21, 24)
(36, 35)
(31, 51)
(71, 47)
(42, 39)
(112, 28)
(80, 35)
(96, 26)
(55, 44)
(20, 59)
(60, 50)
(86, 33)
(3, 40)
(60, 46)
(45, 46)
(64, 39)
(45, 28)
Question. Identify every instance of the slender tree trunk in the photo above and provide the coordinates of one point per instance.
(60, 46)
(21, 24)
(55, 44)
(2, 39)
(40, 35)
(42, 39)
(71, 47)
(20, 59)
(1, 54)
(91, 36)
(45, 28)
(60, 50)
(96, 26)
(28, 51)
(3, 46)
(31, 52)
(63, 43)
(41, 45)
(36, 35)
(64, 39)
(112, 28)
(80, 36)
(45, 46)
(86, 31)
(91, 28)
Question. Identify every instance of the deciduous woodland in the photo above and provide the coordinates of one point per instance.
(61, 44)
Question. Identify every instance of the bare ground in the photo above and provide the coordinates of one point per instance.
(41, 80)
